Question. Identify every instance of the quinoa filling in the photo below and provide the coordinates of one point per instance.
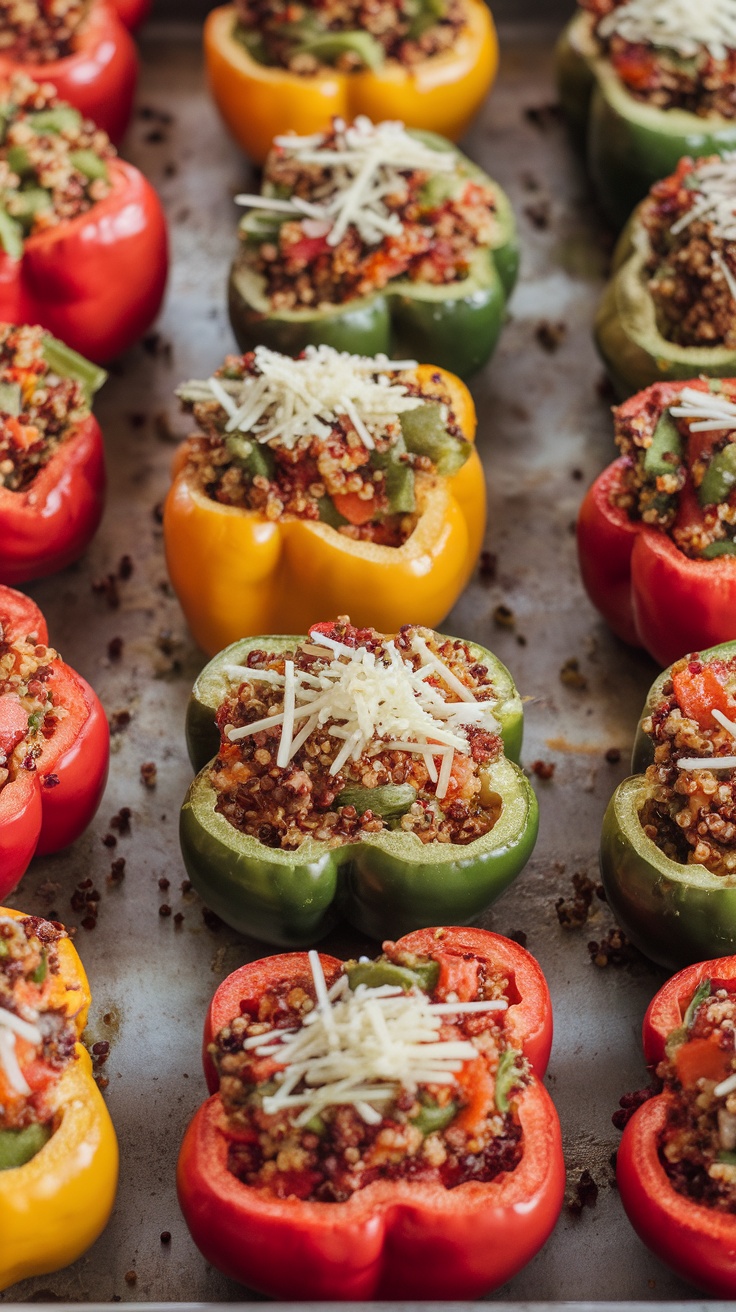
(347, 440)
(672, 56)
(53, 163)
(28, 714)
(316, 740)
(679, 473)
(344, 213)
(39, 409)
(40, 31)
(690, 223)
(37, 1035)
(346, 34)
(690, 810)
(698, 1144)
(332, 1125)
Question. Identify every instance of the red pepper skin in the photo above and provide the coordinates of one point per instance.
(606, 538)
(698, 1242)
(393, 1239)
(47, 527)
(132, 12)
(96, 282)
(37, 814)
(99, 77)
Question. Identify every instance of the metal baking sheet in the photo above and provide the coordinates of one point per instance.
(544, 433)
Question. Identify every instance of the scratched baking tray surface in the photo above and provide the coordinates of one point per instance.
(544, 433)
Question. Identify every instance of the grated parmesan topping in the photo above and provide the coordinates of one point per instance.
(361, 1047)
(705, 412)
(373, 702)
(685, 26)
(287, 399)
(365, 165)
(713, 183)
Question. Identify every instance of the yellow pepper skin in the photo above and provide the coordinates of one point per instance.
(55, 1206)
(258, 102)
(237, 574)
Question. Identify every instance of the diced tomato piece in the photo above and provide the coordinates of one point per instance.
(457, 976)
(13, 724)
(699, 691)
(701, 1059)
(479, 1088)
(354, 508)
(23, 435)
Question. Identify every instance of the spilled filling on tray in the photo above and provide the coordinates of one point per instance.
(346, 212)
(53, 163)
(351, 733)
(37, 1035)
(344, 439)
(38, 408)
(697, 1147)
(674, 54)
(690, 811)
(347, 34)
(680, 470)
(28, 714)
(39, 31)
(395, 1069)
(690, 222)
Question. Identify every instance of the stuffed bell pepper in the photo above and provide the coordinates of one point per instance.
(83, 245)
(54, 743)
(377, 1129)
(276, 67)
(676, 1167)
(371, 238)
(348, 773)
(643, 83)
(52, 459)
(668, 852)
(657, 530)
(669, 311)
(81, 48)
(58, 1153)
(333, 481)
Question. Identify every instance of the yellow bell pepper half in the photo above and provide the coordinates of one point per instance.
(258, 102)
(55, 1206)
(237, 573)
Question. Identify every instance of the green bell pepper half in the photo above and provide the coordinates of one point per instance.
(453, 325)
(385, 884)
(630, 144)
(627, 335)
(675, 914)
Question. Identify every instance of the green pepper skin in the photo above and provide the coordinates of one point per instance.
(630, 145)
(386, 884)
(627, 336)
(455, 326)
(675, 914)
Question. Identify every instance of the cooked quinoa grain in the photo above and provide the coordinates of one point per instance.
(40, 31)
(38, 409)
(29, 714)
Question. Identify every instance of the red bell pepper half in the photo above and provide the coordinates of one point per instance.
(392, 1239)
(99, 77)
(697, 1241)
(48, 525)
(132, 12)
(649, 592)
(45, 809)
(97, 281)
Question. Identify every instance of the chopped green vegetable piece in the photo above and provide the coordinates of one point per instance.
(428, 13)
(726, 547)
(507, 1076)
(425, 434)
(720, 477)
(389, 800)
(665, 452)
(316, 1126)
(259, 226)
(373, 974)
(25, 205)
(42, 970)
(11, 399)
(329, 513)
(254, 459)
(253, 42)
(90, 164)
(328, 48)
(399, 477)
(727, 1159)
(69, 364)
(702, 992)
(432, 1117)
(18, 1146)
(19, 160)
(34, 721)
(11, 236)
(61, 118)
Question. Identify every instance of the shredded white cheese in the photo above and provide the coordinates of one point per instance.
(685, 26)
(13, 1027)
(364, 166)
(360, 1047)
(712, 762)
(725, 1087)
(287, 399)
(714, 191)
(372, 702)
(705, 412)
